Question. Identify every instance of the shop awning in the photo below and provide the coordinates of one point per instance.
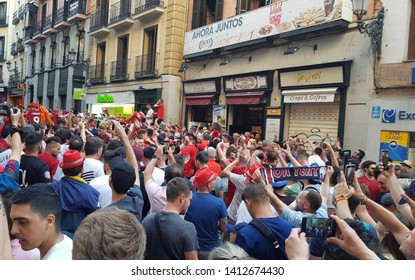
(313, 95)
(244, 98)
(199, 100)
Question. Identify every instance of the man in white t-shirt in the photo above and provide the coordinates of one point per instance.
(149, 115)
(101, 184)
(93, 167)
(36, 215)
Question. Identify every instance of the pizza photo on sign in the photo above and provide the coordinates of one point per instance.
(267, 30)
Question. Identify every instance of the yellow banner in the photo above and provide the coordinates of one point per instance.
(400, 137)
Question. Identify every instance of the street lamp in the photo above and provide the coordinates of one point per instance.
(374, 28)
(76, 62)
(14, 70)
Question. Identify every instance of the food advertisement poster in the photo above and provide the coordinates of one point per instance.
(219, 115)
(272, 129)
(396, 143)
(267, 21)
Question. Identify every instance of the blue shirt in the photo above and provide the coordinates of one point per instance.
(204, 212)
(257, 246)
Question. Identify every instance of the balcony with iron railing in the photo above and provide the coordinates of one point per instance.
(37, 34)
(119, 70)
(28, 35)
(15, 19)
(97, 74)
(76, 10)
(145, 66)
(13, 50)
(120, 15)
(22, 10)
(19, 45)
(14, 79)
(61, 20)
(145, 10)
(48, 27)
(98, 24)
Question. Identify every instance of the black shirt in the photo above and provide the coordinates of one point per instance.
(32, 171)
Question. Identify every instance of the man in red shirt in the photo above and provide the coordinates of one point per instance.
(369, 179)
(189, 152)
(53, 148)
(160, 111)
(212, 164)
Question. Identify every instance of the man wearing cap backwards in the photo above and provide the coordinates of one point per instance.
(78, 198)
(406, 167)
(207, 212)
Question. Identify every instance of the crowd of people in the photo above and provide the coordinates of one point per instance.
(102, 187)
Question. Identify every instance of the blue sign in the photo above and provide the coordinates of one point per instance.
(375, 112)
(389, 116)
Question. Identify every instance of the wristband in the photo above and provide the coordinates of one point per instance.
(341, 198)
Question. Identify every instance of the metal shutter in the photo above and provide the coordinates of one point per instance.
(317, 121)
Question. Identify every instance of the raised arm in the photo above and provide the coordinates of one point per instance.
(16, 139)
(131, 159)
(397, 191)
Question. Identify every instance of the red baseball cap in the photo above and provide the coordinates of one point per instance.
(71, 159)
(204, 176)
(252, 170)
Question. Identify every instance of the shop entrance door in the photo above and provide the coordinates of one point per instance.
(247, 118)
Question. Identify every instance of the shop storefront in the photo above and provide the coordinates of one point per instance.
(202, 99)
(120, 104)
(247, 97)
(313, 101)
(145, 97)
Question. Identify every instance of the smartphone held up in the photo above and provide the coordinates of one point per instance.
(319, 227)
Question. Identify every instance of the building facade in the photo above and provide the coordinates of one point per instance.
(284, 70)
(136, 51)
(53, 59)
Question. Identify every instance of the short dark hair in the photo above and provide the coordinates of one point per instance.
(32, 140)
(53, 139)
(202, 157)
(42, 199)
(76, 143)
(73, 171)
(176, 187)
(148, 152)
(314, 198)
(172, 171)
(93, 145)
(361, 154)
(114, 144)
(110, 154)
(256, 193)
(367, 163)
(64, 134)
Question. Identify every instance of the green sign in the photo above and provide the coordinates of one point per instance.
(79, 93)
(105, 98)
(78, 79)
